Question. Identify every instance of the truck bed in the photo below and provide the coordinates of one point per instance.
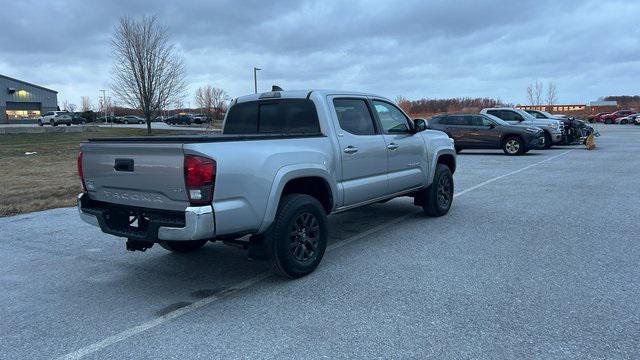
(204, 138)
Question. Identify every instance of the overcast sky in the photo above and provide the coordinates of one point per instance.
(417, 49)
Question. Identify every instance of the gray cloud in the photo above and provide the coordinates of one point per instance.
(412, 48)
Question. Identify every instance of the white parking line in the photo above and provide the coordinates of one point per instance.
(97, 346)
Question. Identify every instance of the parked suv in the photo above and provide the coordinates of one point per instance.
(477, 131)
(55, 118)
(575, 130)
(553, 129)
(614, 117)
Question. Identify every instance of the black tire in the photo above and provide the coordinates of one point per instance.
(608, 122)
(547, 140)
(140, 122)
(183, 246)
(513, 145)
(68, 124)
(298, 236)
(458, 149)
(624, 122)
(438, 197)
(40, 123)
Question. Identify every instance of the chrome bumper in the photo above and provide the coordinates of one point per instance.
(199, 223)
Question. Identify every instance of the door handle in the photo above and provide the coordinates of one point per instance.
(393, 146)
(351, 149)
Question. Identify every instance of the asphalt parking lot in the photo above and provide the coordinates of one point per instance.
(538, 258)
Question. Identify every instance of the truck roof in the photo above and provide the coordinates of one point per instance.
(301, 94)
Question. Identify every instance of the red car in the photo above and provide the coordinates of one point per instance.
(596, 117)
(614, 116)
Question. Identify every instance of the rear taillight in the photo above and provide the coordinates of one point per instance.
(80, 171)
(199, 178)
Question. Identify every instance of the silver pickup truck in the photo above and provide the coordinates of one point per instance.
(285, 160)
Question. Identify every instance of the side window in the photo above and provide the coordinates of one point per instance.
(475, 120)
(392, 119)
(495, 113)
(444, 120)
(354, 116)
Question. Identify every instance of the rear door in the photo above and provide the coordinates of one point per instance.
(405, 149)
(149, 175)
(362, 150)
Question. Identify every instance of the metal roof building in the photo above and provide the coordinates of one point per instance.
(22, 102)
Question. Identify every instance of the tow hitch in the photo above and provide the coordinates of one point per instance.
(137, 245)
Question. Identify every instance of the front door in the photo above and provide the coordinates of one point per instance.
(483, 132)
(362, 149)
(406, 150)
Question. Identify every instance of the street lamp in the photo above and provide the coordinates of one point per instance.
(255, 79)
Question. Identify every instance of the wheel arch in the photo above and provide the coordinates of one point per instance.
(310, 179)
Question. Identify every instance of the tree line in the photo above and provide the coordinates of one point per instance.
(435, 106)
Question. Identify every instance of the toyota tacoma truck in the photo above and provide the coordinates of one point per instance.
(284, 161)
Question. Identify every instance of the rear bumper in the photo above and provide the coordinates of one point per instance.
(196, 223)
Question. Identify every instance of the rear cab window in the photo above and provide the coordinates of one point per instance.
(281, 116)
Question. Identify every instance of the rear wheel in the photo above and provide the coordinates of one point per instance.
(513, 146)
(52, 123)
(438, 197)
(298, 236)
(183, 246)
(40, 123)
(458, 149)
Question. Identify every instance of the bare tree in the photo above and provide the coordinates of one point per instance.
(71, 108)
(534, 93)
(552, 93)
(86, 104)
(204, 98)
(220, 99)
(147, 71)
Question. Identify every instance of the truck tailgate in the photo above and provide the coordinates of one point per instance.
(149, 175)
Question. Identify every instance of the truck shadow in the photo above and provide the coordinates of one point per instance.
(171, 281)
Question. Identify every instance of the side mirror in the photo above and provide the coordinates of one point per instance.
(419, 125)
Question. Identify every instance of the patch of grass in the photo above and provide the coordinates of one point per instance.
(49, 178)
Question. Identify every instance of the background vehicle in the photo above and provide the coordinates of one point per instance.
(55, 118)
(179, 120)
(477, 131)
(285, 160)
(132, 119)
(76, 119)
(199, 119)
(575, 130)
(108, 119)
(597, 117)
(629, 119)
(553, 128)
(614, 117)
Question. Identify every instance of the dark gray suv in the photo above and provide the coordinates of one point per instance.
(479, 131)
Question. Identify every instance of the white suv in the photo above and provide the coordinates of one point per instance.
(55, 118)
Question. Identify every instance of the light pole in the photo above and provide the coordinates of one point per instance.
(255, 79)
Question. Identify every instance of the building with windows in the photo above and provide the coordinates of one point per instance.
(593, 107)
(22, 102)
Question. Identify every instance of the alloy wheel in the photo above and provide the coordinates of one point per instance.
(304, 237)
(512, 146)
(444, 191)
